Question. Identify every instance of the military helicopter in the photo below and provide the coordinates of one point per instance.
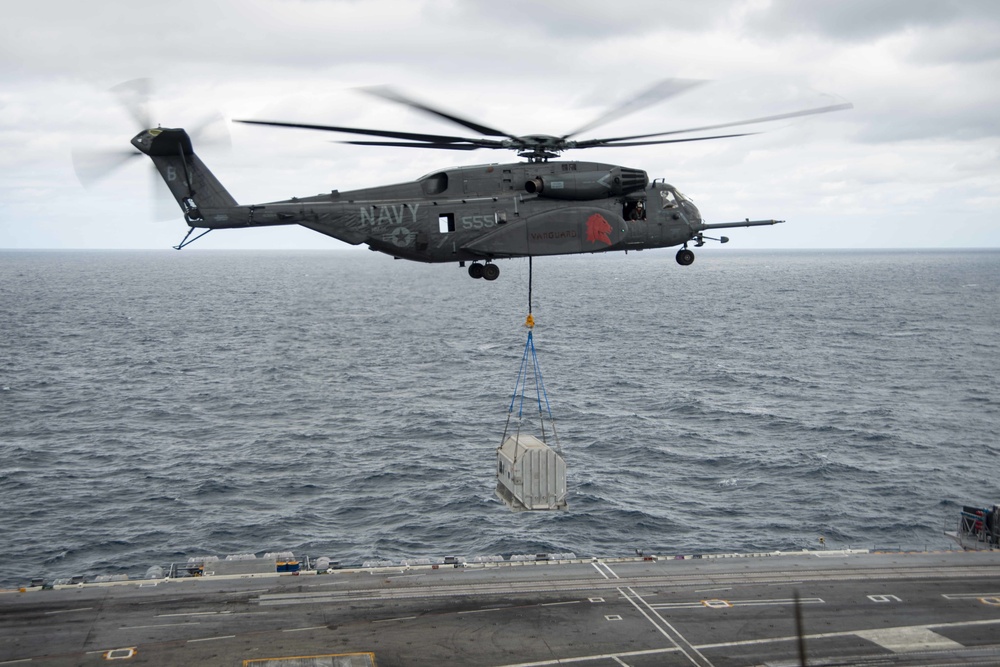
(475, 214)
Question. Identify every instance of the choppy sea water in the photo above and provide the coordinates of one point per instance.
(161, 405)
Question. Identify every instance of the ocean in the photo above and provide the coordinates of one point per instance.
(160, 405)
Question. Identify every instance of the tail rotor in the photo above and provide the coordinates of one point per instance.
(95, 165)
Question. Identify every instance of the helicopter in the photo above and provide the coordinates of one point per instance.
(478, 214)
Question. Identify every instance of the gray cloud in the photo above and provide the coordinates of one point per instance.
(861, 20)
(582, 20)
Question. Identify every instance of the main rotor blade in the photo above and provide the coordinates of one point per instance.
(412, 136)
(134, 96)
(212, 130)
(387, 93)
(600, 144)
(445, 146)
(763, 119)
(656, 93)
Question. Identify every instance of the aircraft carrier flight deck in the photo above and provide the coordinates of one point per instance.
(856, 607)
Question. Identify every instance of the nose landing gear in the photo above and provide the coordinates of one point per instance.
(685, 257)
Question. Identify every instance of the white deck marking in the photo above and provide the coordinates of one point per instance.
(676, 638)
(120, 654)
(197, 613)
(904, 640)
(210, 639)
(711, 604)
(590, 658)
(608, 568)
(845, 633)
(315, 627)
(725, 604)
(992, 599)
(254, 590)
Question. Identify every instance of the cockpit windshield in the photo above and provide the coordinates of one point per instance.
(672, 198)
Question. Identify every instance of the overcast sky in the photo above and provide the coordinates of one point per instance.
(916, 163)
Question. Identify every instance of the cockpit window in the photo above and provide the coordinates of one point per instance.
(672, 198)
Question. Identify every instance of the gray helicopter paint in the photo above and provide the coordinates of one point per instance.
(462, 214)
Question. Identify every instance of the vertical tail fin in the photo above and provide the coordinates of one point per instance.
(190, 181)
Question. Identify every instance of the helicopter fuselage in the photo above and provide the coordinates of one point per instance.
(490, 211)
(475, 213)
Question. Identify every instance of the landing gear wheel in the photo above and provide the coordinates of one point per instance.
(491, 271)
(476, 270)
(685, 257)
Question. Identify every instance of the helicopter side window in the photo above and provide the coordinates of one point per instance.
(634, 210)
(446, 223)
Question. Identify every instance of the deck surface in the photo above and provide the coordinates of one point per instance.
(878, 609)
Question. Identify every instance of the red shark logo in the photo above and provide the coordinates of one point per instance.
(598, 229)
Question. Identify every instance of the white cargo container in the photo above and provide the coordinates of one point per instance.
(530, 474)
